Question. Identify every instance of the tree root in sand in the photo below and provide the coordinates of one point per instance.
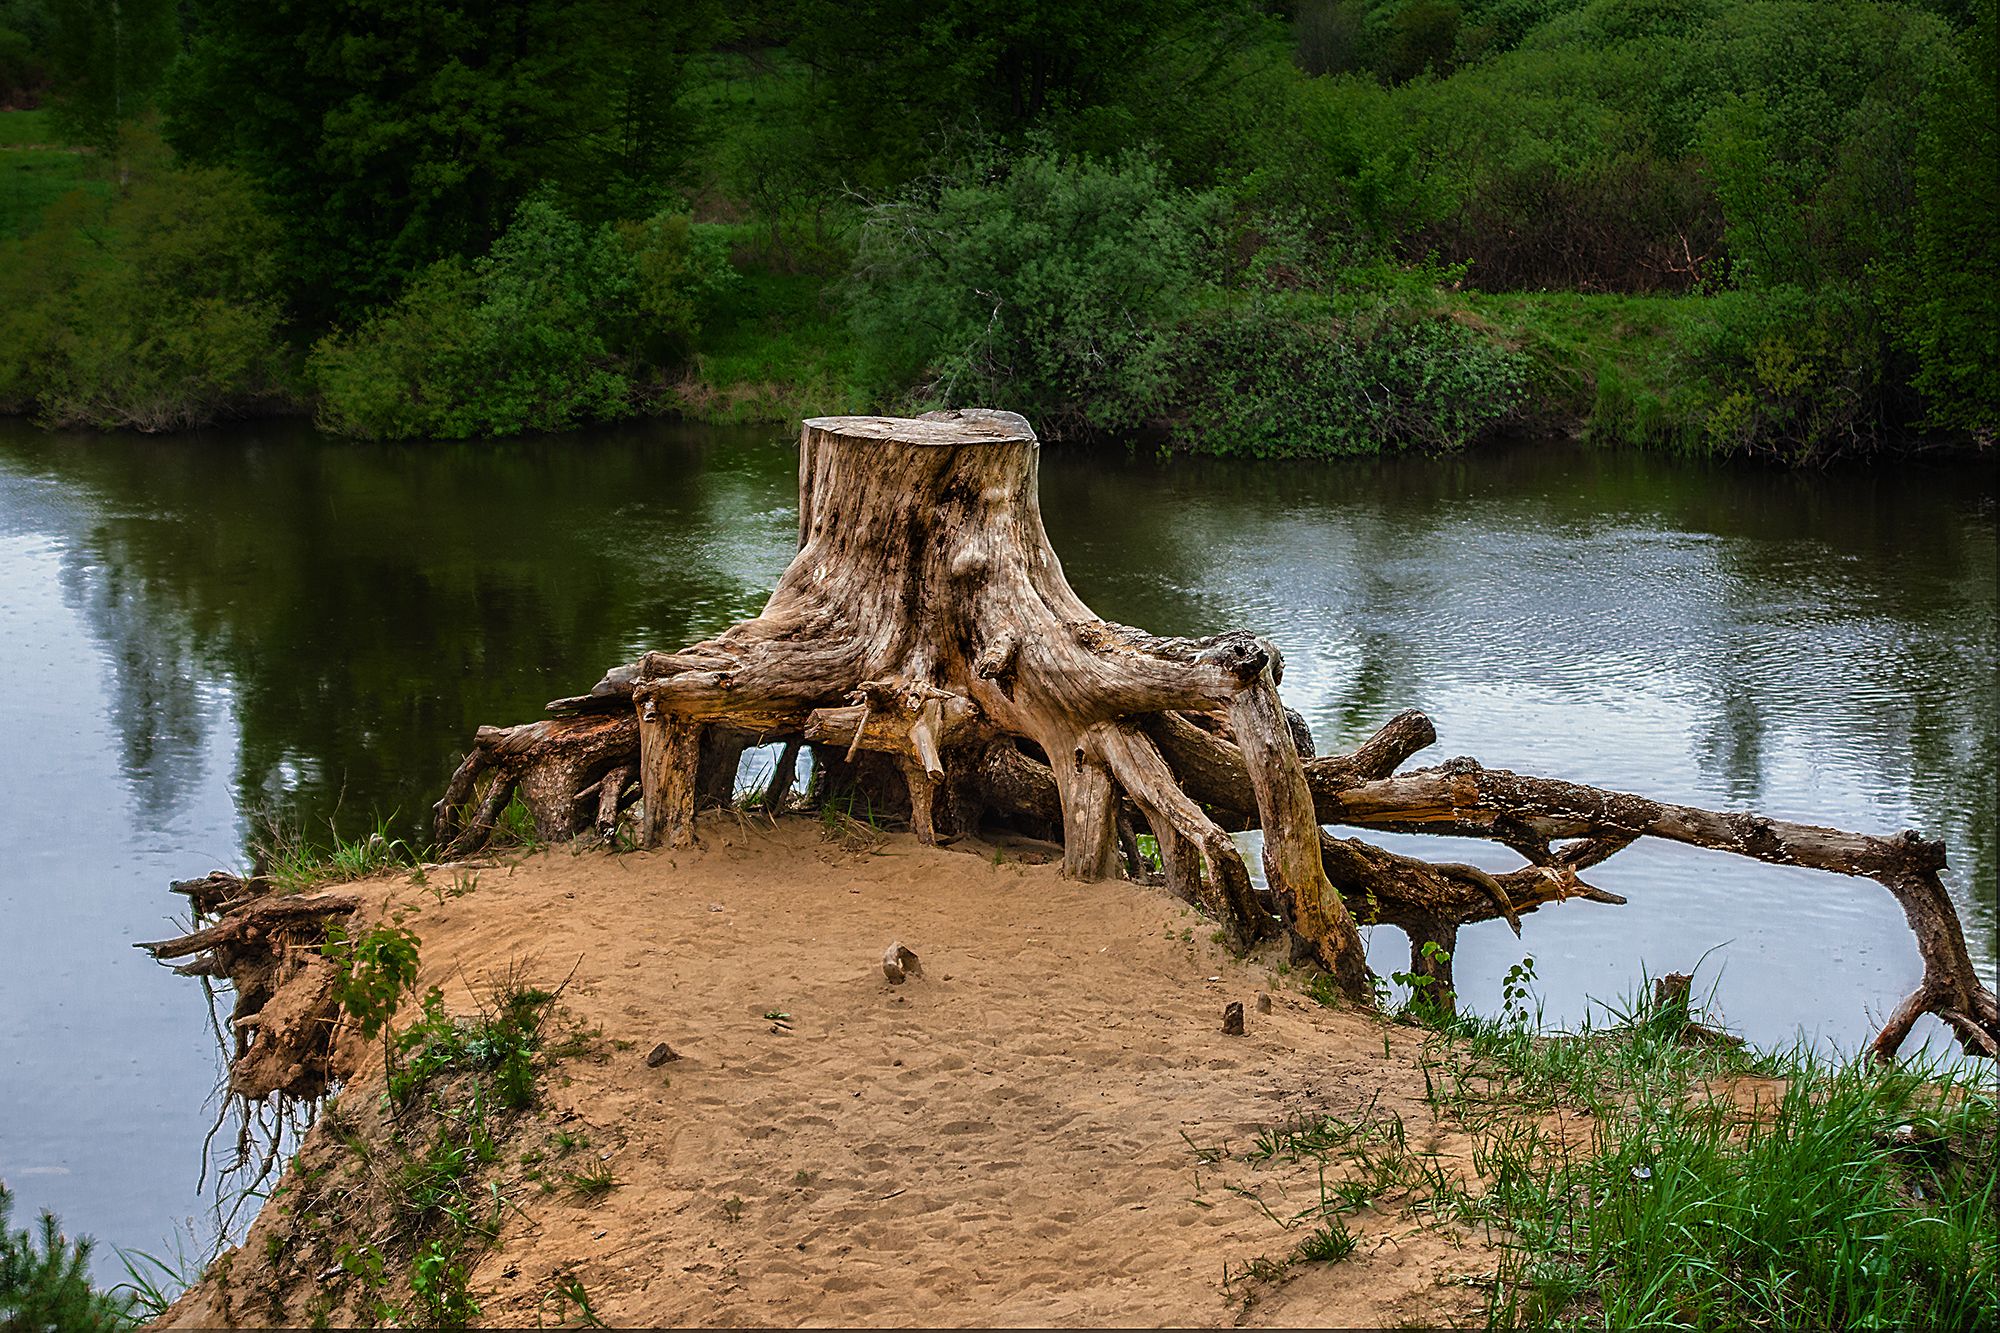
(927, 648)
(270, 950)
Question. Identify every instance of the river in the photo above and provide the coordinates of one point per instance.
(196, 630)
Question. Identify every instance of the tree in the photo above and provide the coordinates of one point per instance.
(155, 310)
(390, 133)
(45, 1280)
(1943, 296)
(896, 72)
(107, 57)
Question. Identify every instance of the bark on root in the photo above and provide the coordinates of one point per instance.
(269, 950)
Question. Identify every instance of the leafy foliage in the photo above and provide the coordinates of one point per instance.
(1797, 374)
(545, 332)
(1043, 280)
(499, 1045)
(1117, 216)
(390, 134)
(106, 57)
(1289, 379)
(376, 970)
(1942, 295)
(157, 310)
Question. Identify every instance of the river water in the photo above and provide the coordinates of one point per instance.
(196, 629)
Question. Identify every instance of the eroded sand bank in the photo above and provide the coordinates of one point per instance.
(1027, 1134)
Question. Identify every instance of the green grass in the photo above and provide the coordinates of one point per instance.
(21, 129)
(294, 865)
(1628, 1179)
(1722, 1189)
(425, 1186)
(592, 1181)
(780, 351)
(37, 167)
(1606, 361)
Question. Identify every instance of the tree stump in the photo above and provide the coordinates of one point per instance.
(926, 621)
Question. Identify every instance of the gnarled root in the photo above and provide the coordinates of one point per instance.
(268, 948)
(926, 621)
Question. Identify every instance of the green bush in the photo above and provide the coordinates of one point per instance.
(156, 310)
(45, 1282)
(1790, 374)
(550, 330)
(1281, 378)
(1043, 282)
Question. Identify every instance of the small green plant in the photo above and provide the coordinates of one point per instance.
(1425, 1004)
(591, 1181)
(568, 1303)
(439, 1282)
(376, 969)
(1321, 989)
(516, 826)
(152, 1283)
(1330, 1242)
(1517, 988)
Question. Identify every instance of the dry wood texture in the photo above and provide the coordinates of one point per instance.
(927, 648)
(269, 948)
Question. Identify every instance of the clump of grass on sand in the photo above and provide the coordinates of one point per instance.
(1629, 1176)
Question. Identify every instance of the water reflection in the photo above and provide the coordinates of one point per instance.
(199, 628)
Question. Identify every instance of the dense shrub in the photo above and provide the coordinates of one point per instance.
(551, 329)
(156, 310)
(1278, 378)
(1046, 282)
(1792, 374)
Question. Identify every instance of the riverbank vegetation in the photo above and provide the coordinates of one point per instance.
(1293, 228)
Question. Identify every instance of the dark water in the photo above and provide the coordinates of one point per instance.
(191, 630)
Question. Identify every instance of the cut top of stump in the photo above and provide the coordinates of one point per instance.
(957, 426)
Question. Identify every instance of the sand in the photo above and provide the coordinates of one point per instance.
(1027, 1134)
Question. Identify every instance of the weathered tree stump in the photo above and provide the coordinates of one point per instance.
(927, 648)
(926, 620)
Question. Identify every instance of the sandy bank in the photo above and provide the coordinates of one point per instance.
(1025, 1135)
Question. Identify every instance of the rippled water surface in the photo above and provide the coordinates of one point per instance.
(192, 630)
